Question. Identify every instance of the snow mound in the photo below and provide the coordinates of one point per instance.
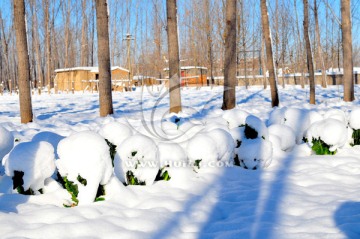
(224, 144)
(277, 116)
(336, 114)
(115, 132)
(235, 117)
(202, 150)
(354, 118)
(285, 134)
(238, 135)
(299, 120)
(258, 125)
(85, 154)
(254, 153)
(332, 131)
(173, 159)
(49, 137)
(6, 144)
(35, 159)
(137, 155)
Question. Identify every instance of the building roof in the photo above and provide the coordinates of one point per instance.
(89, 68)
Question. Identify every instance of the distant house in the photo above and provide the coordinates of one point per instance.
(192, 75)
(87, 78)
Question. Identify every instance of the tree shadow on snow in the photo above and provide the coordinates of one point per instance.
(347, 219)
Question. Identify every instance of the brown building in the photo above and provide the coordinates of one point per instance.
(192, 75)
(87, 79)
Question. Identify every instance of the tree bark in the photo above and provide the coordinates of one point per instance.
(208, 31)
(174, 58)
(229, 97)
(84, 55)
(348, 78)
(269, 54)
(49, 82)
(309, 56)
(319, 48)
(23, 62)
(102, 24)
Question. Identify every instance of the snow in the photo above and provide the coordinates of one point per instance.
(292, 194)
(35, 159)
(354, 117)
(6, 144)
(137, 154)
(85, 154)
(285, 135)
(336, 137)
(115, 132)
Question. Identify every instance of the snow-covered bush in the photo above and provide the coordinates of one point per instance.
(326, 136)
(49, 137)
(335, 114)
(115, 133)
(30, 164)
(254, 153)
(136, 161)
(202, 151)
(6, 142)
(173, 161)
(299, 120)
(285, 134)
(235, 117)
(255, 128)
(224, 144)
(354, 123)
(85, 165)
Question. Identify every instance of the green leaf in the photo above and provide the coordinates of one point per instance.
(250, 133)
(356, 137)
(72, 189)
(321, 148)
(112, 150)
(82, 180)
(132, 180)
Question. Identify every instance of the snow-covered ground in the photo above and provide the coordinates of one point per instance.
(292, 194)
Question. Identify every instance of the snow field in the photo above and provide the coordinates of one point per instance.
(292, 194)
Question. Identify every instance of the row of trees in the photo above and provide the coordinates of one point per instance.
(232, 23)
(62, 33)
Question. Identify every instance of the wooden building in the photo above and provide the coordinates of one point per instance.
(192, 75)
(87, 79)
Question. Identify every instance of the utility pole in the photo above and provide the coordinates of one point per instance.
(128, 49)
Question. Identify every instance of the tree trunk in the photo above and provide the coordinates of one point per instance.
(309, 57)
(269, 54)
(102, 25)
(84, 40)
(37, 49)
(348, 79)
(300, 52)
(208, 31)
(319, 48)
(262, 62)
(23, 62)
(174, 59)
(49, 82)
(229, 97)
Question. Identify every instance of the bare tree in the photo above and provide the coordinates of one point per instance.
(84, 39)
(102, 25)
(309, 57)
(269, 54)
(174, 59)
(319, 48)
(348, 79)
(229, 97)
(23, 62)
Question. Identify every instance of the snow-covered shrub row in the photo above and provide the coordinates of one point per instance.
(324, 133)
